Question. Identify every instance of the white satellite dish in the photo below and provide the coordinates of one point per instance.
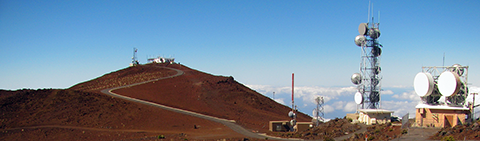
(314, 113)
(423, 84)
(358, 98)
(360, 40)
(449, 83)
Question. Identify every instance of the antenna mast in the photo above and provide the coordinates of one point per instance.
(369, 78)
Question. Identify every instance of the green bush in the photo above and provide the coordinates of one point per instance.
(391, 129)
(404, 131)
(370, 138)
(448, 138)
(161, 137)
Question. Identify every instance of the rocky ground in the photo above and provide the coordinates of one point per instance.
(329, 130)
(380, 132)
(459, 132)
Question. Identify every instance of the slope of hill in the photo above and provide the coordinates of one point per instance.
(217, 96)
(83, 113)
(52, 114)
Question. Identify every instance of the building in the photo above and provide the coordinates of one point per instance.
(161, 60)
(285, 126)
(374, 116)
(440, 115)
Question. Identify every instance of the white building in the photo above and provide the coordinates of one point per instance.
(374, 116)
(161, 60)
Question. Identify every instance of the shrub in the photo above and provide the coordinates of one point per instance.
(404, 131)
(448, 138)
(161, 137)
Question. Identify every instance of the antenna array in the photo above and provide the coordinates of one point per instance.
(369, 78)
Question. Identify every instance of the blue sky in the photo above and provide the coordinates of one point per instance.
(57, 44)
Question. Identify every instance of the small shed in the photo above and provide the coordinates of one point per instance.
(374, 116)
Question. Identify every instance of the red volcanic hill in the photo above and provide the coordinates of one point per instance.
(217, 96)
(82, 112)
(196, 91)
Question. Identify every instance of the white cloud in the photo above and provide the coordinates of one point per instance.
(387, 92)
(408, 96)
(307, 93)
(280, 100)
(328, 109)
(400, 108)
(345, 106)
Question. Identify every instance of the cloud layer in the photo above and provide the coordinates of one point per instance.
(339, 100)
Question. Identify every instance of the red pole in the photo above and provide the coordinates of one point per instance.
(293, 103)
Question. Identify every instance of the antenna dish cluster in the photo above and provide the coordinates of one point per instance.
(369, 78)
(449, 82)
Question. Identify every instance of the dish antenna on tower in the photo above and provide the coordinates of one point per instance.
(134, 58)
(369, 78)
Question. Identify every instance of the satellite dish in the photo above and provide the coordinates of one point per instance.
(291, 114)
(449, 83)
(377, 70)
(374, 33)
(363, 28)
(376, 51)
(314, 113)
(457, 69)
(358, 98)
(356, 78)
(423, 84)
(360, 40)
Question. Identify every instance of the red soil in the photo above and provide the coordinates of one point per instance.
(217, 96)
(83, 113)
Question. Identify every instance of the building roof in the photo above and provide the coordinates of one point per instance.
(371, 111)
(442, 107)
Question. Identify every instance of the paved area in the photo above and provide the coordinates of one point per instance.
(418, 134)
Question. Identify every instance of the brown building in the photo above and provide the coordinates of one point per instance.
(439, 115)
(285, 126)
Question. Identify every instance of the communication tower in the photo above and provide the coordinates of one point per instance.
(369, 78)
(319, 111)
(134, 58)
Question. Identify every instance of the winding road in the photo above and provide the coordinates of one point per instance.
(229, 123)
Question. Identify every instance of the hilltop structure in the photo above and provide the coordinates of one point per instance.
(443, 90)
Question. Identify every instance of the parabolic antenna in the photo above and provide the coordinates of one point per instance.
(457, 69)
(363, 28)
(291, 114)
(376, 51)
(423, 84)
(374, 33)
(360, 40)
(449, 83)
(358, 98)
(356, 78)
